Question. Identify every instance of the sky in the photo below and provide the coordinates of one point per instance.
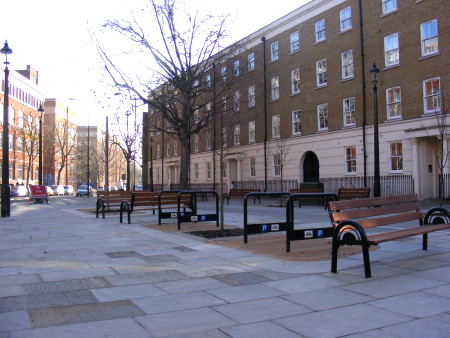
(55, 38)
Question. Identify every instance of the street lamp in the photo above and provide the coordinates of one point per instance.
(5, 190)
(151, 163)
(41, 115)
(374, 72)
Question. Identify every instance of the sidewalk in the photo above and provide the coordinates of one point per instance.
(64, 273)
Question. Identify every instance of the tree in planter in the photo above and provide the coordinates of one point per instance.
(178, 86)
(280, 154)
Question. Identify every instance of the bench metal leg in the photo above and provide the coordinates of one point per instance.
(425, 242)
(366, 257)
(334, 253)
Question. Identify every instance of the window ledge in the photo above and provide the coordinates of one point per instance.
(323, 86)
(429, 56)
(274, 100)
(348, 79)
(319, 42)
(393, 66)
(389, 13)
(347, 30)
(295, 94)
(294, 52)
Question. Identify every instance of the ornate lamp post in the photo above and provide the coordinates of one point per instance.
(5, 190)
(374, 72)
(41, 115)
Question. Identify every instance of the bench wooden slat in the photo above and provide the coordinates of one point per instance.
(353, 193)
(399, 234)
(371, 202)
(356, 214)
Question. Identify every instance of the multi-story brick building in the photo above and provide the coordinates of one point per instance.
(25, 99)
(305, 84)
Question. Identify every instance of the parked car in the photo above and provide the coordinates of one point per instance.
(50, 191)
(19, 191)
(58, 189)
(83, 191)
(139, 187)
(68, 190)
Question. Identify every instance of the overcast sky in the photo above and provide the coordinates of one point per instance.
(53, 36)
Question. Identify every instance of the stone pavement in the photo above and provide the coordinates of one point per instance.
(64, 273)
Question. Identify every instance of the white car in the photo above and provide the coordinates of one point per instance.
(68, 190)
(58, 189)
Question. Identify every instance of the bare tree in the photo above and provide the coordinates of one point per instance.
(129, 132)
(27, 131)
(280, 157)
(65, 143)
(185, 50)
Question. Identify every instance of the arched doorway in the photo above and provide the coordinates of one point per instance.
(311, 168)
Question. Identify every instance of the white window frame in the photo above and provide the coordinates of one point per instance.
(427, 34)
(252, 167)
(296, 122)
(350, 160)
(274, 51)
(391, 49)
(175, 147)
(236, 68)
(208, 143)
(295, 81)
(434, 96)
(322, 117)
(20, 173)
(394, 103)
(251, 96)
(348, 107)
(320, 27)
(294, 39)
(208, 170)
(195, 143)
(388, 6)
(345, 19)
(196, 171)
(348, 71)
(321, 73)
(237, 134)
(275, 86)
(208, 80)
(396, 157)
(251, 131)
(158, 150)
(251, 61)
(224, 172)
(168, 149)
(237, 100)
(275, 126)
(223, 73)
(276, 165)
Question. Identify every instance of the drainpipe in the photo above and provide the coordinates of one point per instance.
(214, 126)
(363, 81)
(263, 39)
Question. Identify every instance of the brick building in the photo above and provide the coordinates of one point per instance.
(305, 86)
(25, 98)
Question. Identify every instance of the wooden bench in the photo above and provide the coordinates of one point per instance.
(308, 191)
(155, 201)
(110, 200)
(353, 193)
(351, 218)
(239, 193)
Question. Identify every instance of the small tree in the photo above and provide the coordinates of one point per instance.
(65, 143)
(280, 157)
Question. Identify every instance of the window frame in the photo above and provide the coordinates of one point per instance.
(236, 68)
(346, 66)
(321, 73)
(274, 51)
(322, 115)
(384, 6)
(276, 165)
(251, 61)
(251, 98)
(348, 113)
(394, 50)
(432, 95)
(396, 158)
(252, 167)
(295, 81)
(294, 41)
(275, 88)
(237, 100)
(251, 131)
(196, 143)
(347, 19)
(237, 134)
(423, 40)
(320, 31)
(350, 160)
(390, 103)
(296, 122)
(276, 123)
(223, 73)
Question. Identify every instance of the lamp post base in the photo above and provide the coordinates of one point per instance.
(6, 200)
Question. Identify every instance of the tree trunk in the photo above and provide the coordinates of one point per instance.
(185, 162)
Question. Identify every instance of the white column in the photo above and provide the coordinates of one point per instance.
(416, 167)
(445, 152)
(239, 169)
